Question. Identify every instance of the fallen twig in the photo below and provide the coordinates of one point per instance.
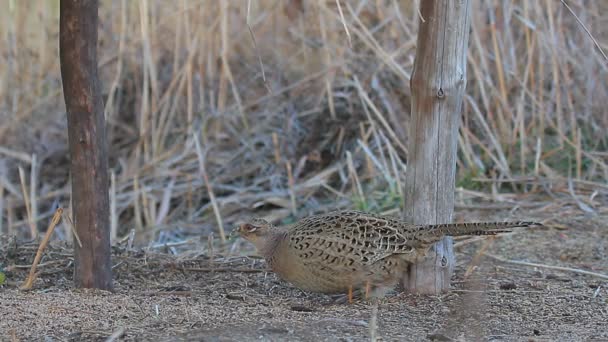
(29, 282)
(72, 228)
(225, 269)
(559, 268)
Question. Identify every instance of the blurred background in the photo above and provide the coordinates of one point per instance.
(219, 110)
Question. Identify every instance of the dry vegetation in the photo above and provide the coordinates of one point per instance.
(218, 109)
(207, 123)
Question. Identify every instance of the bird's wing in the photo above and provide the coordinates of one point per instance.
(350, 237)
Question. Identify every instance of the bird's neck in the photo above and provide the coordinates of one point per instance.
(271, 245)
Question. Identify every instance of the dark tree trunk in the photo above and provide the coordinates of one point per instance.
(438, 85)
(87, 139)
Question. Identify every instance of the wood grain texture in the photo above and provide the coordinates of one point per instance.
(87, 139)
(438, 84)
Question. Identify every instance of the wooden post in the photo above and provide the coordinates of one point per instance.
(87, 139)
(438, 84)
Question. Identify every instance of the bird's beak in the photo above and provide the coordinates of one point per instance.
(237, 231)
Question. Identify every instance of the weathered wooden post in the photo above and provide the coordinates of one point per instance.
(438, 84)
(87, 139)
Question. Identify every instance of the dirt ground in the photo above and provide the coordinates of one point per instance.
(194, 297)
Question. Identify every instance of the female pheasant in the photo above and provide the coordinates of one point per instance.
(339, 251)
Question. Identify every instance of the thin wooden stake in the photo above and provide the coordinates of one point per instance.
(26, 202)
(292, 191)
(216, 209)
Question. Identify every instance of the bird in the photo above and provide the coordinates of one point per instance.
(339, 251)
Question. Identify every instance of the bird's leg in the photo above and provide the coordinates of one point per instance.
(367, 289)
(349, 296)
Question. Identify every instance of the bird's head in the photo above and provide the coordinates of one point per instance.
(257, 231)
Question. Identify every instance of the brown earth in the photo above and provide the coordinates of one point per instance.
(232, 298)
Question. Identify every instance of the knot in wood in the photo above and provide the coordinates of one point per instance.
(440, 93)
(444, 261)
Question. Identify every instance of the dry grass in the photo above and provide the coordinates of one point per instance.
(217, 109)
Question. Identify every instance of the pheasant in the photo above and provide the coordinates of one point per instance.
(338, 251)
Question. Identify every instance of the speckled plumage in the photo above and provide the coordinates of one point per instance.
(333, 252)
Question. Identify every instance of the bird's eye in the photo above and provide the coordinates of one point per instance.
(248, 227)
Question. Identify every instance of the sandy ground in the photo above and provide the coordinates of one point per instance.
(163, 297)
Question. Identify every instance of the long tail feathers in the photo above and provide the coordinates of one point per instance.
(476, 228)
